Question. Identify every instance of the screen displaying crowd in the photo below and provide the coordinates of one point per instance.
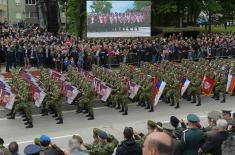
(118, 18)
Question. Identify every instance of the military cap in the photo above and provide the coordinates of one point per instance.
(1, 141)
(151, 124)
(78, 138)
(168, 127)
(174, 121)
(215, 115)
(32, 149)
(102, 134)
(193, 118)
(37, 141)
(226, 112)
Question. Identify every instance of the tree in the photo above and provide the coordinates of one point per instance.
(141, 4)
(211, 7)
(101, 6)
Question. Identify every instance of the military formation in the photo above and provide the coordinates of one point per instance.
(170, 72)
(23, 101)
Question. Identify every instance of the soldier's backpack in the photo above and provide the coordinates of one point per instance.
(228, 147)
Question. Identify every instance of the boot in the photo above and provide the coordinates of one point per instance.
(107, 104)
(139, 104)
(26, 119)
(23, 116)
(91, 117)
(26, 123)
(224, 99)
(51, 112)
(12, 116)
(122, 110)
(168, 100)
(177, 106)
(55, 115)
(88, 115)
(217, 97)
(148, 106)
(57, 119)
(126, 112)
(60, 121)
(9, 114)
(30, 125)
(172, 103)
(151, 109)
(22, 113)
(199, 103)
(118, 107)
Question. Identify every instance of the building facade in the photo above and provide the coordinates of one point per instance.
(31, 14)
(15, 11)
(3, 10)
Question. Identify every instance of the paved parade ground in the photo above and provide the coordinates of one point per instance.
(106, 118)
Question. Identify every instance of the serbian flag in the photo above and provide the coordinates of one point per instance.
(158, 87)
(184, 83)
(96, 84)
(230, 84)
(133, 88)
(207, 85)
(105, 92)
(7, 99)
(60, 78)
(71, 93)
(38, 94)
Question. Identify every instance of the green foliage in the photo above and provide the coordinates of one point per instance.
(101, 6)
(165, 7)
(72, 15)
(140, 4)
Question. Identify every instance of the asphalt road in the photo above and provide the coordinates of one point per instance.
(106, 118)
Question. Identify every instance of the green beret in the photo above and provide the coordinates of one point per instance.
(152, 124)
(37, 141)
(193, 118)
(215, 115)
(168, 127)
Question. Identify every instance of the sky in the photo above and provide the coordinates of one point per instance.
(118, 6)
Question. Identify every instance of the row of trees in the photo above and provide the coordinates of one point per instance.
(165, 12)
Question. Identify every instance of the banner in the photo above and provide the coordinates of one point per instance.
(184, 83)
(207, 85)
(38, 93)
(105, 92)
(133, 88)
(7, 98)
(71, 92)
(158, 87)
(230, 84)
(66, 88)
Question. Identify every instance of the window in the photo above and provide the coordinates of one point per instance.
(18, 15)
(18, 2)
(30, 2)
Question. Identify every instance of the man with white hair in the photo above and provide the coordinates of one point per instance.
(213, 145)
(75, 147)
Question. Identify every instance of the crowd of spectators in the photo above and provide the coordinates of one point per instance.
(33, 46)
(173, 138)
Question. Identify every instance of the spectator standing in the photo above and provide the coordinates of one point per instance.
(129, 146)
(13, 148)
(213, 145)
(3, 148)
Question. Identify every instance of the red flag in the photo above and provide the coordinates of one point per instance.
(230, 84)
(207, 85)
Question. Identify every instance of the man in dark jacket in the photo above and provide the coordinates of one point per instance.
(213, 144)
(129, 146)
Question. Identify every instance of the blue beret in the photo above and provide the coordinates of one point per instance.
(193, 118)
(44, 138)
(102, 134)
(32, 149)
